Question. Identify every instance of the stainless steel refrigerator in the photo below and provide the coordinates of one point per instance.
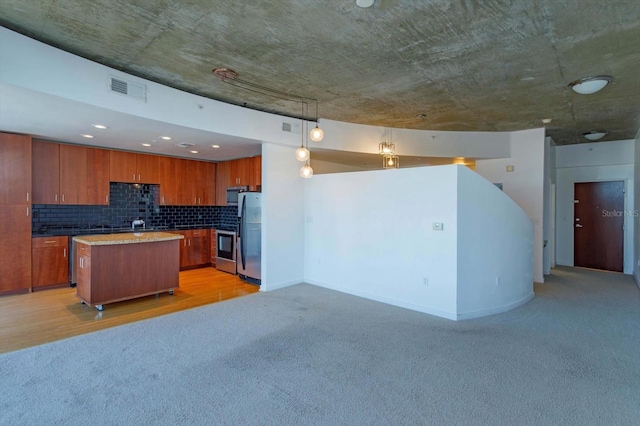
(249, 247)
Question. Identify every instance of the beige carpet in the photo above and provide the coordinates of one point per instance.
(307, 355)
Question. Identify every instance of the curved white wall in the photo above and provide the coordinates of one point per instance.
(371, 234)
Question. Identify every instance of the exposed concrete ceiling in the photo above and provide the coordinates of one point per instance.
(467, 65)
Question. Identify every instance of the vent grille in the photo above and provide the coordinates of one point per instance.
(286, 127)
(184, 145)
(128, 88)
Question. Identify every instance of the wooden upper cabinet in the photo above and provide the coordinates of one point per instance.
(147, 168)
(168, 169)
(46, 172)
(241, 172)
(15, 169)
(206, 183)
(223, 181)
(134, 168)
(84, 175)
(97, 183)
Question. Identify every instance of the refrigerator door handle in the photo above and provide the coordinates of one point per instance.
(243, 212)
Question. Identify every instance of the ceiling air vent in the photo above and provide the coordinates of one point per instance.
(184, 145)
(128, 88)
(286, 127)
(291, 127)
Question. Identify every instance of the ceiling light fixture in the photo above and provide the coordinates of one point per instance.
(215, 146)
(229, 76)
(364, 3)
(193, 152)
(302, 153)
(590, 85)
(87, 136)
(388, 151)
(100, 126)
(166, 138)
(546, 120)
(595, 135)
(145, 144)
(386, 146)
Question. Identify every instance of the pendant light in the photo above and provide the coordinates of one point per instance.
(316, 134)
(386, 147)
(302, 153)
(305, 171)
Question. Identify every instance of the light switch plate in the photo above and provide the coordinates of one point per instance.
(438, 226)
(510, 168)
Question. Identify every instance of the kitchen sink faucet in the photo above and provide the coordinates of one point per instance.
(137, 222)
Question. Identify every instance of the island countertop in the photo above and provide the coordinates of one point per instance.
(127, 238)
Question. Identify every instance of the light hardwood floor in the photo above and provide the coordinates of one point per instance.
(45, 316)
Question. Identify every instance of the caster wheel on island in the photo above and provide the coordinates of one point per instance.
(171, 292)
(82, 302)
(99, 307)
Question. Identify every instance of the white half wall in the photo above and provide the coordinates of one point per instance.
(525, 184)
(593, 162)
(373, 234)
(370, 234)
(495, 249)
(282, 218)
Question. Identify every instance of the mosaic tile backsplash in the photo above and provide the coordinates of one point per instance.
(129, 202)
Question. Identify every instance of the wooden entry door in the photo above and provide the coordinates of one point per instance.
(598, 237)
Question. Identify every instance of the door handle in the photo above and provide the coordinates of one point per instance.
(578, 225)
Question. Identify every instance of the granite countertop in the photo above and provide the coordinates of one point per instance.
(128, 238)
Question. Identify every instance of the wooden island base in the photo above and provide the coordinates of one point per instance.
(116, 267)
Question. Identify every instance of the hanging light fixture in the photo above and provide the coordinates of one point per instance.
(386, 147)
(302, 153)
(390, 161)
(305, 171)
(316, 134)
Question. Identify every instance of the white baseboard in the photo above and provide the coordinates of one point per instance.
(387, 300)
(282, 284)
(496, 310)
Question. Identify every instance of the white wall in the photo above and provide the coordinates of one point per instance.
(525, 185)
(495, 249)
(282, 218)
(592, 162)
(370, 234)
(636, 198)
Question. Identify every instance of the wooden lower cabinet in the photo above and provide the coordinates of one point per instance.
(49, 262)
(112, 273)
(194, 249)
(212, 242)
(15, 249)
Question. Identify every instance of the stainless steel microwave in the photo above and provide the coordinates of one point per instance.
(232, 194)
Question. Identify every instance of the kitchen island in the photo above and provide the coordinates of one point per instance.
(116, 267)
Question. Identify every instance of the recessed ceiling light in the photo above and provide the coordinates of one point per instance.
(595, 135)
(365, 3)
(145, 144)
(100, 126)
(215, 146)
(193, 152)
(546, 120)
(87, 136)
(589, 85)
(166, 138)
(527, 78)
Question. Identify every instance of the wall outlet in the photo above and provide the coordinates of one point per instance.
(438, 226)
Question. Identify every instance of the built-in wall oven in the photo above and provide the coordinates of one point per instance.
(226, 251)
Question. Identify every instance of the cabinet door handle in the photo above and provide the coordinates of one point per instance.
(162, 200)
(106, 199)
(27, 196)
(63, 198)
(81, 262)
(55, 198)
(50, 241)
(133, 177)
(139, 177)
(27, 211)
(189, 242)
(64, 253)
